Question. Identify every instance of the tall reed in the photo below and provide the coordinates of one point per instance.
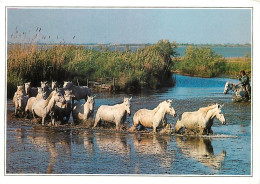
(148, 67)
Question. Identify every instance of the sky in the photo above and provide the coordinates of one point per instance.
(79, 26)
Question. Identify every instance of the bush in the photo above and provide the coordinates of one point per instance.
(202, 61)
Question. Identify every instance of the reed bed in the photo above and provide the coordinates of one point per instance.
(149, 67)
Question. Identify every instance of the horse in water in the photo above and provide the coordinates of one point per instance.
(240, 93)
(200, 122)
(114, 114)
(20, 104)
(153, 118)
(42, 108)
(83, 111)
(31, 100)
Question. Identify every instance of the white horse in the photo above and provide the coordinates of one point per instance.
(239, 92)
(155, 118)
(80, 92)
(19, 91)
(114, 114)
(42, 108)
(20, 104)
(82, 112)
(201, 121)
(31, 100)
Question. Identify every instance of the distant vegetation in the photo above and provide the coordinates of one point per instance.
(215, 45)
(204, 62)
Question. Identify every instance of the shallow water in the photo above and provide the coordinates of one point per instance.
(33, 149)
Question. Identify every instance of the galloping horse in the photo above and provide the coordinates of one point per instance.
(200, 122)
(240, 93)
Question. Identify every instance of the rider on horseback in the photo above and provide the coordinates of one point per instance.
(245, 83)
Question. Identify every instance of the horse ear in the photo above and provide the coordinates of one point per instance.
(220, 106)
(169, 101)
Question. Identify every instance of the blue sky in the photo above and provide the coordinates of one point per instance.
(132, 25)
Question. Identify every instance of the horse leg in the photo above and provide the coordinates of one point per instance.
(53, 121)
(43, 118)
(117, 125)
(154, 129)
(135, 124)
(178, 126)
(155, 126)
(97, 119)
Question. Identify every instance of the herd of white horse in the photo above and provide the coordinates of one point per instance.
(57, 104)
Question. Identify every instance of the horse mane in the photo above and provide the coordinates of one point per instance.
(205, 110)
(156, 108)
(48, 99)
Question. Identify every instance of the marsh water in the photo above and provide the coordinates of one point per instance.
(33, 149)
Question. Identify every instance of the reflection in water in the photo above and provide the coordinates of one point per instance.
(115, 143)
(45, 139)
(201, 149)
(154, 146)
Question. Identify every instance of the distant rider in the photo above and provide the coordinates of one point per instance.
(245, 83)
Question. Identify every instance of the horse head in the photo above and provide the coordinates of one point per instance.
(44, 85)
(68, 95)
(228, 87)
(90, 103)
(53, 84)
(20, 88)
(58, 97)
(169, 109)
(27, 86)
(220, 115)
(127, 105)
(67, 84)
